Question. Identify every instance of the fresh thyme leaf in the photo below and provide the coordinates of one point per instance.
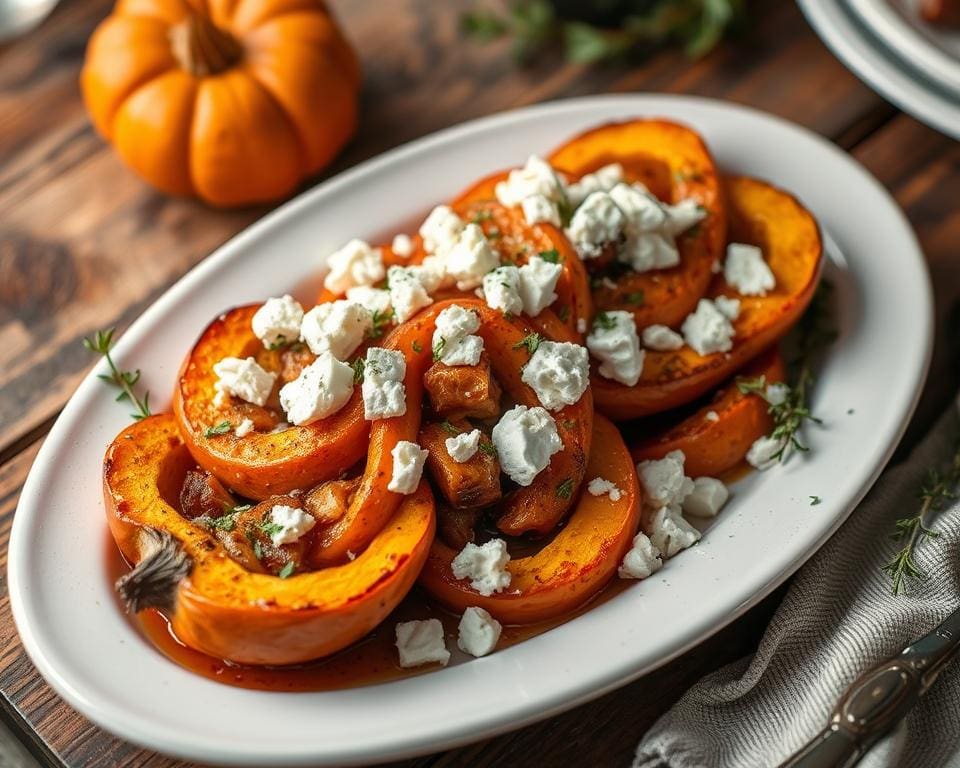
(270, 528)
(530, 341)
(814, 500)
(357, 366)
(257, 549)
(553, 255)
(225, 522)
(446, 426)
(565, 489)
(280, 342)
(219, 429)
(635, 298)
(488, 448)
(604, 321)
(380, 322)
(100, 344)
(494, 234)
(287, 570)
(236, 509)
(417, 347)
(438, 349)
(564, 313)
(481, 216)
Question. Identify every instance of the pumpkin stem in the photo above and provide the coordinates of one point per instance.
(153, 582)
(202, 48)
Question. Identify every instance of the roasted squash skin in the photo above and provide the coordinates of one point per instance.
(221, 609)
(714, 446)
(762, 215)
(580, 560)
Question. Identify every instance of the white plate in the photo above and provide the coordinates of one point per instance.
(91, 654)
(882, 68)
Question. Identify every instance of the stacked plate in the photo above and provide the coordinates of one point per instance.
(887, 44)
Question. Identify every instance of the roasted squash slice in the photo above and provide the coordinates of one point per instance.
(213, 603)
(580, 559)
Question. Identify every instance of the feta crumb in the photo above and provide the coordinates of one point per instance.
(642, 560)
(454, 342)
(581, 325)
(614, 342)
(707, 497)
(440, 229)
(501, 290)
(525, 439)
(599, 486)
(464, 446)
(470, 258)
(478, 632)
(645, 251)
(776, 393)
(601, 180)
(661, 338)
(746, 271)
(707, 329)
(408, 461)
(407, 294)
(371, 299)
(356, 263)
(277, 321)
(244, 379)
(730, 308)
(244, 428)
(538, 209)
(485, 566)
(763, 452)
(383, 390)
(683, 215)
(432, 273)
(535, 178)
(321, 389)
(291, 523)
(337, 327)
(402, 245)
(538, 279)
(663, 481)
(559, 372)
(595, 223)
(642, 211)
(669, 532)
(712, 416)
(421, 642)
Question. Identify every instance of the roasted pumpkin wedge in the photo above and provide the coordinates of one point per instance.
(762, 215)
(716, 436)
(580, 559)
(674, 164)
(213, 603)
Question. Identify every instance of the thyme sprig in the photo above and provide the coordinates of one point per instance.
(100, 344)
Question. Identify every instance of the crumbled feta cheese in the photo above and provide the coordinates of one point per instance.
(402, 245)
(470, 258)
(764, 452)
(642, 212)
(383, 390)
(244, 379)
(581, 325)
(663, 481)
(525, 439)
(535, 178)
(408, 461)
(289, 524)
(432, 273)
(683, 215)
(776, 393)
(484, 565)
(601, 180)
(501, 290)
(321, 389)
(453, 339)
(337, 327)
(661, 338)
(614, 342)
(538, 279)
(244, 428)
(707, 329)
(712, 416)
(421, 642)
(651, 227)
(746, 271)
(669, 532)
(478, 632)
(407, 294)
(371, 299)
(464, 446)
(707, 497)
(441, 229)
(559, 372)
(599, 487)
(595, 223)
(649, 250)
(277, 321)
(729, 308)
(537, 209)
(642, 560)
(354, 264)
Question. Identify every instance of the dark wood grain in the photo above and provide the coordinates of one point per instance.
(84, 244)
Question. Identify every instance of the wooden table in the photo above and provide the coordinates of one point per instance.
(85, 245)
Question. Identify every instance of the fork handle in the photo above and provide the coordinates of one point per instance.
(833, 747)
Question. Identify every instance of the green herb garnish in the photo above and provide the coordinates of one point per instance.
(101, 343)
(565, 489)
(219, 429)
(553, 255)
(380, 322)
(438, 349)
(605, 321)
(287, 570)
(531, 341)
(814, 500)
(417, 347)
(358, 366)
(635, 298)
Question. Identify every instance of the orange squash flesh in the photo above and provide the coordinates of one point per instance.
(714, 446)
(674, 164)
(762, 215)
(582, 557)
(228, 612)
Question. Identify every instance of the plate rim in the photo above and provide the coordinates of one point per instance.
(631, 103)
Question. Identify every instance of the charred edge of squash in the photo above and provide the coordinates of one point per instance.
(153, 581)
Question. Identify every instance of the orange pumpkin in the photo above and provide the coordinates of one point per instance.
(234, 102)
